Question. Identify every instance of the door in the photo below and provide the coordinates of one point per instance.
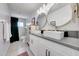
(14, 30)
(1, 33)
(3, 44)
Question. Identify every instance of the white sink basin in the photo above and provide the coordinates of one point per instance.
(54, 34)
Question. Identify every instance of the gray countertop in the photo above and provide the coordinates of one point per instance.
(66, 41)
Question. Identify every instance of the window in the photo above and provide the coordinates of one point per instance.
(20, 24)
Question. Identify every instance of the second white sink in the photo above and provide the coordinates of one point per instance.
(54, 34)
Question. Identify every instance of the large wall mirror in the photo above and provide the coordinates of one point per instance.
(42, 20)
(58, 17)
(61, 16)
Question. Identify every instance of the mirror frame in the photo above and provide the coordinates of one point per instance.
(45, 21)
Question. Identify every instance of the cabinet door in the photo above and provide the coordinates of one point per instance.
(49, 48)
(54, 53)
(60, 50)
(34, 44)
(43, 47)
(37, 45)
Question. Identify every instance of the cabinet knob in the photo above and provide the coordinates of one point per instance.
(47, 52)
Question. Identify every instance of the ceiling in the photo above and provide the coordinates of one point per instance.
(31, 8)
(24, 8)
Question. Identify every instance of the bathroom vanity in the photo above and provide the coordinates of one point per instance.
(42, 45)
(53, 43)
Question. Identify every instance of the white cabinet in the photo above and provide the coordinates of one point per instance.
(48, 48)
(60, 50)
(42, 47)
(37, 46)
(42, 50)
(34, 44)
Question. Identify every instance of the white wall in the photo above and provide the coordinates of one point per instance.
(4, 11)
(5, 15)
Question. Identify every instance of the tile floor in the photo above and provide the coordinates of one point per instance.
(17, 48)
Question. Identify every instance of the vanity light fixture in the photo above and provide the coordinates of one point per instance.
(43, 6)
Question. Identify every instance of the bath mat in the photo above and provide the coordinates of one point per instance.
(23, 54)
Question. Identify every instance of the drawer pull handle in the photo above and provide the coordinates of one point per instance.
(48, 53)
